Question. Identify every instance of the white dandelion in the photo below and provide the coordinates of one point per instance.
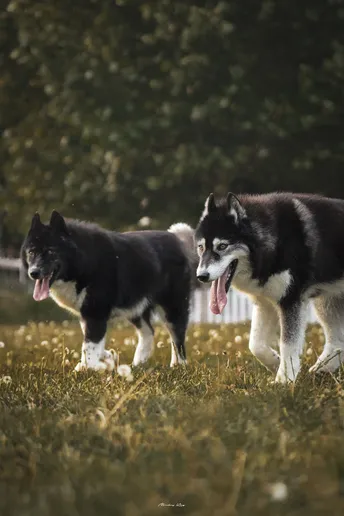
(6, 380)
(125, 371)
(278, 491)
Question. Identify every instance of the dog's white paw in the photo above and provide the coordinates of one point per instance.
(178, 361)
(285, 376)
(94, 366)
(328, 363)
(107, 363)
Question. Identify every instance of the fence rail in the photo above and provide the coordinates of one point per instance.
(10, 264)
(238, 308)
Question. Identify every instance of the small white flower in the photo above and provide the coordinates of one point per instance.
(238, 339)
(44, 343)
(21, 330)
(144, 222)
(12, 6)
(113, 66)
(309, 351)
(6, 380)
(75, 354)
(278, 491)
(160, 344)
(125, 371)
(88, 75)
(2, 344)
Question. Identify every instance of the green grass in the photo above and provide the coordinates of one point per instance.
(217, 437)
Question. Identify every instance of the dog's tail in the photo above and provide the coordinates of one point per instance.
(185, 233)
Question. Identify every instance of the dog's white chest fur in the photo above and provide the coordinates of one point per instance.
(65, 295)
(275, 288)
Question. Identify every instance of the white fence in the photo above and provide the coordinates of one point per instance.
(238, 308)
(10, 264)
(11, 273)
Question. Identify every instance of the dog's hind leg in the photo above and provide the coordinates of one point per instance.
(176, 320)
(264, 334)
(293, 321)
(330, 311)
(145, 332)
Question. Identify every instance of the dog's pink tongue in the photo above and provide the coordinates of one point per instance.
(218, 296)
(41, 290)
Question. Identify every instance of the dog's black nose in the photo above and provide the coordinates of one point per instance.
(203, 277)
(34, 273)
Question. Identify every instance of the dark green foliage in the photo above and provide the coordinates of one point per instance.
(112, 110)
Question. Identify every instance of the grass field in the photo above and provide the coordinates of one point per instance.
(215, 438)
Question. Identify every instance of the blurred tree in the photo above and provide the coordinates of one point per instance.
(113, 110)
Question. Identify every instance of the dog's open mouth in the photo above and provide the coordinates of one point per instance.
(42, 287)
(220, 287)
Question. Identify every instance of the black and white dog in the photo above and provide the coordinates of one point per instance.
(283, 250)
(99, 275)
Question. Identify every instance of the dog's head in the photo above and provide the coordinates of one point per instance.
(220, 238)
(44, 252)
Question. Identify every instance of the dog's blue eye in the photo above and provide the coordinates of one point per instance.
(222, 247)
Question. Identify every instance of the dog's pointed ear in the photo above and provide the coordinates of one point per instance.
(36, 222)
(57, 223)
(209, 206)
(235, 208)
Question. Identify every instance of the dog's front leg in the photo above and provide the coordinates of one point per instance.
(93, 353)
(264, 334)
(293, 321)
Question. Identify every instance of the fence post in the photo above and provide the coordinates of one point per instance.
(2, 218)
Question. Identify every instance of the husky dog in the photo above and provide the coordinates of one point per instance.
(100, 275)
(283, 250)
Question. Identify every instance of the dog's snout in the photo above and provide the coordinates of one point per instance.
(34, 273)
(204, 277)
